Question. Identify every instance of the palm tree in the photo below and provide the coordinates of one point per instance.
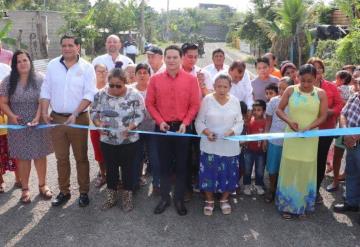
(4, 34)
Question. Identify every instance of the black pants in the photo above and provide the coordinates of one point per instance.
(323, 149)
(193, 160)
(116, 156)
(173, 149)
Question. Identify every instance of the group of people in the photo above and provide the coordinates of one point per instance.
(169, 93)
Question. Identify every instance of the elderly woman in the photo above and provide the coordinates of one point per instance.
(101, 78)
(219, 116)
(335, 104)
(19, 100)
(121, 109)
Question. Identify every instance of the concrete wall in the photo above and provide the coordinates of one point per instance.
(214, 32)
(26, 21)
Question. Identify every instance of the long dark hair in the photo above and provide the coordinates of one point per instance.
(15, 76)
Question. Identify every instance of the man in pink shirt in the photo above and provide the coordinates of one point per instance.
(5, 55)
(173, 101)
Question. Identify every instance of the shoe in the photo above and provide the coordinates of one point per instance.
(344, 207)
(180, 208)
(83, 200)
(208, 208)
(269, 197)
(110, 199)
(153, 190)
(225, 207)
(60, 199)
(127, 203)
(259, 190)
(45, 192)
(247, 190)
(161, 207)
(331, 188)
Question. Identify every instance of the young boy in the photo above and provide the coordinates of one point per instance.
(253, 153)
(271, 91)
(274, 147)
(263, 79)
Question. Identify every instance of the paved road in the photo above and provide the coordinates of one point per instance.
(253, 223)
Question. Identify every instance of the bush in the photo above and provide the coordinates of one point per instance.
(326, 50)
(348, 51)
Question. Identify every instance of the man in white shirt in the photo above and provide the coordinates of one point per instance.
(113, 45)
(189, 60)
(155, 59)
(69, 87)
(218, 65)
(4, 71)
(130, 49)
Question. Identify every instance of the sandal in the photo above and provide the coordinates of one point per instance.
(100, 181)
(25, 197)
(225, 207)
(209, 208)
(45, 192)
(287, 216)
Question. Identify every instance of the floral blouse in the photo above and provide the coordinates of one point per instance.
(117, 112)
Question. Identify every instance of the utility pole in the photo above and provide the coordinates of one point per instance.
(142, 27)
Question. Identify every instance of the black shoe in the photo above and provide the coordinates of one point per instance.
(160, 208)
(180, 208)
(60, 199)
(344, 207)
(83, 200)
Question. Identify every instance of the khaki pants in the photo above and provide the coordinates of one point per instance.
(63, 137)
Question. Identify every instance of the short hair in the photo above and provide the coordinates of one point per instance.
(219, 50)
(223, 76)
(345, 76)
(117, 73)
(260, 103)
(307, 69)
(349, 67)
(318, 60)
(272, 87)
(239, 65)
(174, 47)
(77, 41)
(262, 60)
(100, 65)
(142, 66)
(287, 80)
(244, 108)
(188, 46)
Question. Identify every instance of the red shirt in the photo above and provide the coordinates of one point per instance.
(255, 126)
(171, 99)
(335, 103)
(5, 56)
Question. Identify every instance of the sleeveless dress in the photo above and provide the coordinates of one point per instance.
(296, 190)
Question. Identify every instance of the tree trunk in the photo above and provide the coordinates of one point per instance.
(42, 36)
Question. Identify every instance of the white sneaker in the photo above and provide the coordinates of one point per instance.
(247, 190)
(259, 190)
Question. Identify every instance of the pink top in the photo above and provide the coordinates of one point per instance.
(5, 56)
(171, 99)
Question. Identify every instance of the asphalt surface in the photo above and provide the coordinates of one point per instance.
(252, 223)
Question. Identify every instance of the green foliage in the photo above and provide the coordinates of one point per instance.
(56, 5)
(348, 51)
(4, 34)
(324, 13)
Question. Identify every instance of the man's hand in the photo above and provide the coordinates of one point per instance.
(71, 119)
(47, 118)
(349, 141)
(164, 127)
(182, 129)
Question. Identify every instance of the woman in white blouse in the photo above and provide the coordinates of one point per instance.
(219, 116)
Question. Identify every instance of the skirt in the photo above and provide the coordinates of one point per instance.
(6, 163)
(218, 174)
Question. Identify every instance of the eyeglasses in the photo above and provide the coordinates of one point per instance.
(115, 86)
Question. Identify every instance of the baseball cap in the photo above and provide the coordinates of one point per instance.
(154, 50)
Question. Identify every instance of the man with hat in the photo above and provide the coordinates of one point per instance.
(155, 60)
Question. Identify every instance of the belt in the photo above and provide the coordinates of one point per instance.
(66, 114)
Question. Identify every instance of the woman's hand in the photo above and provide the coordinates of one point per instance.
(126, 132)
(34, 122)
(14, 119)
(294, 126)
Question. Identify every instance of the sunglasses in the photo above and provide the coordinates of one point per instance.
(189, 46)
(116, 86)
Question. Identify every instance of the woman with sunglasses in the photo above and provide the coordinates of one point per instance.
(118, 145)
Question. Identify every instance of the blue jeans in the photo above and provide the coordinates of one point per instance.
(148, 143)
(352, 171)
(251, 157)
